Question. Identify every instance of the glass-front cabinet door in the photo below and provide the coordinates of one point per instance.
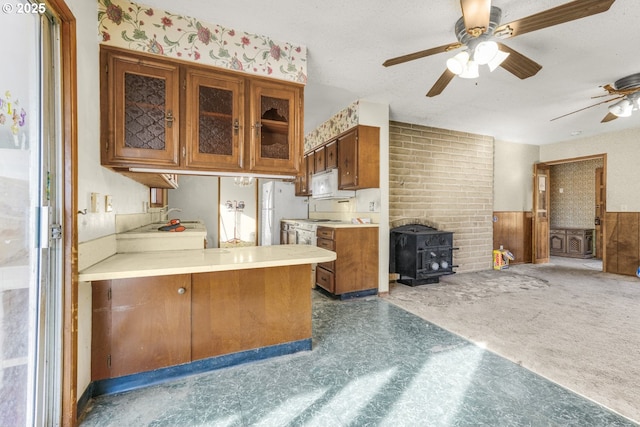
(143, 111)
(214, 120)
(275, 127)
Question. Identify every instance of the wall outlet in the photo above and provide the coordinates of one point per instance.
(372, 206)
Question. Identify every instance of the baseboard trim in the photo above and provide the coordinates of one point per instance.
(158, 376)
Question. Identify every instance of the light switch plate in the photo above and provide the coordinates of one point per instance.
(95, 204)
(108, 206)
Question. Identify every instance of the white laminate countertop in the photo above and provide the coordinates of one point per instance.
(344, 225)
(163, 263)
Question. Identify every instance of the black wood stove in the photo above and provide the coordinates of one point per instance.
(420, 254)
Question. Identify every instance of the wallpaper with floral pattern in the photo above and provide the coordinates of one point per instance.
(138, 27)
(340, 122)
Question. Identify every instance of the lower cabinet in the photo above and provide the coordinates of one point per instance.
(147, 323)
(356, 265)
(246, 309)
(140, 324)
(571, 242)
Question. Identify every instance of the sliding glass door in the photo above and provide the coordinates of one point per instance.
(30, 255)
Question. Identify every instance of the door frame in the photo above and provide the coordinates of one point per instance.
(603, 224)
(541, 188)
(69, 141)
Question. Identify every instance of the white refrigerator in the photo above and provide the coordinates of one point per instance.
(279, 202)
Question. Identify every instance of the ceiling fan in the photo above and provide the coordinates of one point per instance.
(478, 32)
(627, 93)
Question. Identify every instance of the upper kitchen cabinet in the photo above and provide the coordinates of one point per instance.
(276, 127)
(140, 101)
(159, 113)
(359, 158)
(214, 118)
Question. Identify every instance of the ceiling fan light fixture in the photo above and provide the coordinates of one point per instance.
(497, 60)
(458, 63)
(470, 71)
(622, 108)
(485, 51)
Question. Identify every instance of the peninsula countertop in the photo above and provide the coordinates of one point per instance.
(164, 263)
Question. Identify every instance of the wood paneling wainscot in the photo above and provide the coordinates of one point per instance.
(513, 230)
(622, 242)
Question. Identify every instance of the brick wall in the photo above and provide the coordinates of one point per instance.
(444, 178)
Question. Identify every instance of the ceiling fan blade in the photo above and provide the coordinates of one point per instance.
(518, 64)
(421, 54)
(441, 83)
(476, 15)
(590, 106)
(608, 118)
(564, 13)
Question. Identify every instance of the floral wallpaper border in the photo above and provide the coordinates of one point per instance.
(138, 27)
(339, 123)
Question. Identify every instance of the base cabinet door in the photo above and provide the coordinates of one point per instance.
(140, 325)
(356, 265)
(247, 309)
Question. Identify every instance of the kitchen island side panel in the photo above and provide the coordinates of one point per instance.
(241, 310)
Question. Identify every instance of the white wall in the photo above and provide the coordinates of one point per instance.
(128, 195)
(512, 176)
(375, 114)
(197, 196)
(623, 164)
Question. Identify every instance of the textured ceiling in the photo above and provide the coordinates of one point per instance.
(348, 41)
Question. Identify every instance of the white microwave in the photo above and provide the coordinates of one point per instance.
(324, 185)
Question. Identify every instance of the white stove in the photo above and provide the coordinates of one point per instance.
(306, 230)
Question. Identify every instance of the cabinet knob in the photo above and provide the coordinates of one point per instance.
(181, 291)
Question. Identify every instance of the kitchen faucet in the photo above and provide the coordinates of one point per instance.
(168, 211)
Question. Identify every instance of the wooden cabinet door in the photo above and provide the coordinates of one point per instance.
(214, 121)
(348, 160)
(302, 180)
(311, 164)
(140, 103)
(331, 155)
(276, 131)
(148, 325)
(247, 309)
(320, 161)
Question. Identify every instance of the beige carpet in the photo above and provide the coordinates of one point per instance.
(566, 320)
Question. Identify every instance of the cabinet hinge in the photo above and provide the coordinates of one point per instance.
(184, 84)
(109, 294)
(106, 68)
(109, 361)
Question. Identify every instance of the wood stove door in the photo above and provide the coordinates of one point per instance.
(541, 187)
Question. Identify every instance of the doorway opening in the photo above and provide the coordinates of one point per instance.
(576, 211)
